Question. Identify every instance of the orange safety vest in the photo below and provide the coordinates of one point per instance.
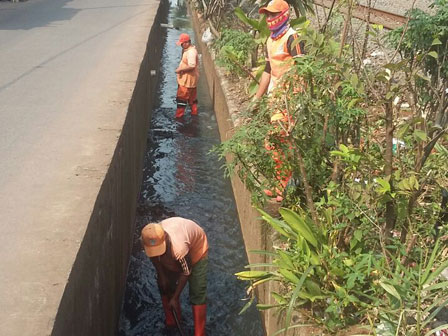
(189, 79)
(279, 58)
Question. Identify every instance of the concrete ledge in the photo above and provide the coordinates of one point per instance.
(92, 298)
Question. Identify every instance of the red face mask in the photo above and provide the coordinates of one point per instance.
(279, 21)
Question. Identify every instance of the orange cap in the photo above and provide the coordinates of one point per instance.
(153, 237)
(274, 6)
(183, 38)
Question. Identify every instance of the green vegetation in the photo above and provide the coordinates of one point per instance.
(362, 230)
(234, 48)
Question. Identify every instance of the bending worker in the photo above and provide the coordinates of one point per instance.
(178, 249)
(187, 77)
(279, 45)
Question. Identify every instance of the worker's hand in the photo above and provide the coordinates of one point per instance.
(178, 71)
(174, 302)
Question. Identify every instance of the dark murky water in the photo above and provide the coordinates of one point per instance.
(181, 178)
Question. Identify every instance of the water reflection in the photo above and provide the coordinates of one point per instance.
(181, 178)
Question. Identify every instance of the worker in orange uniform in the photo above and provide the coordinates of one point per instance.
(178, 249)
(187, 77)
(279, 45)
(281, 49)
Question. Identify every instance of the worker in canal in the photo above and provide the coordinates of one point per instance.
(283, 45)
(178, 249)
(187, 77)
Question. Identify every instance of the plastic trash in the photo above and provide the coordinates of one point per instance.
(367, 61)
(207, 36)
(167, 25)
(377, 53)
(396, 143)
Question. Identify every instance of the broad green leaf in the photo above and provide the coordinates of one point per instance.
(342, 293)
(247, 305)
(290, 276)
(248, 21)
(358, 235)
(403, 130)
(413, 182)
(278, 298)
(286, 260)
(436, 41)
(278, 225)
(315, 259)
(433, 54)
(253, 87)
(313, 288)
(384, 186)
(299, 225)
(348, 262)
(262, 306)
(391, 290)
(247, 275)
(277, 116)
(420, 135)
(409, 184)
(353, 102)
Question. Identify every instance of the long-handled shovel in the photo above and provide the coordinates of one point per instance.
(178, 323)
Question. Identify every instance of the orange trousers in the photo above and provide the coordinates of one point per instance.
(282, 173)
(186, 96)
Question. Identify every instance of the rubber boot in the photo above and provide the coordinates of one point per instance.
(199, 317)
(170, 322)
(180, 112)
(194, 109)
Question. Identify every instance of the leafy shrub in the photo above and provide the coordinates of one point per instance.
(346, 284)
(357, 239)
(233, 48)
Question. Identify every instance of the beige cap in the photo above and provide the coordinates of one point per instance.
(153, 237)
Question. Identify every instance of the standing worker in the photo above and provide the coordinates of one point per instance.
(187, 77)
(178, 249)
(281, 49)
(279, 45)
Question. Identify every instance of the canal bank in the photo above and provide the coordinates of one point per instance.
(68, 207)
(92, 298)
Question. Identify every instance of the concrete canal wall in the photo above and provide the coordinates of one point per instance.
(92, 297)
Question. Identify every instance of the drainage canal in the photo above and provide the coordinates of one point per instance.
(181, 178)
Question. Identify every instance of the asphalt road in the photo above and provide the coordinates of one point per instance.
(67, 69)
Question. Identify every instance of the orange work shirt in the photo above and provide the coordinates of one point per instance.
(190, 58)
(279, 58)
(186, 237)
